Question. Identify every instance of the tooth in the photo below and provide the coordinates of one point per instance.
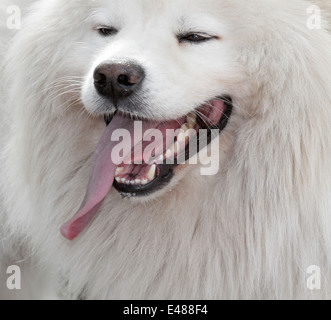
(161, 158)
(118, 171)
(138, 181)
(144, 182)
(191, 120)
(190, 125)
(133, 182)
(128, 182)
(181, 137)
(185, 127)
(118, 179)
(123, 180)
(151, 172)
(176, 147)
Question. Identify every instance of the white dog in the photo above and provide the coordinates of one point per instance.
(258, 71)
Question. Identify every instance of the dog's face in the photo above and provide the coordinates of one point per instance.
(161, 61)
(170, 65)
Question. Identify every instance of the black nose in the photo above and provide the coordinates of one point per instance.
(118, 80)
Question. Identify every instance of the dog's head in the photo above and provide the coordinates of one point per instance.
(204, 69)
(169, 65)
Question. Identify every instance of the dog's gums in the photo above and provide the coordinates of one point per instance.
(139, 178)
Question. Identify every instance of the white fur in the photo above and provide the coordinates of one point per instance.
(249, 232)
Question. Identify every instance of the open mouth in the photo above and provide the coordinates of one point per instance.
(141, 171)
(140, 178)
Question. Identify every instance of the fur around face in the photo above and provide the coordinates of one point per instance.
(250, 232)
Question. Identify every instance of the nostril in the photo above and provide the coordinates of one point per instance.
(127, 80)
(100, 79)
(124, 80)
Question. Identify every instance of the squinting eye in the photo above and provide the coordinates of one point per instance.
(107, 31)
(194, 37)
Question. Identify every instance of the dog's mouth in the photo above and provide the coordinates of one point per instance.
(179, 142)
(147, 164)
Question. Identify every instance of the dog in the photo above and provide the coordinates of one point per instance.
(80, 226)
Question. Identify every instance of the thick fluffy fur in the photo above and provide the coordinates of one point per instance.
(249, 232)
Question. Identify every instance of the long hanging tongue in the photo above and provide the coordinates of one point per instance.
(101, 178)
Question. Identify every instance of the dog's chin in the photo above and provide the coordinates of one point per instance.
(144, 181)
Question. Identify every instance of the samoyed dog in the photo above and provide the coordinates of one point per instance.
(249, 79)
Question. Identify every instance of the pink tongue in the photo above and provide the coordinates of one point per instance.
(101, 179)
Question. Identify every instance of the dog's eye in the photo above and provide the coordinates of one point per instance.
(194, 37)
(107, 31)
